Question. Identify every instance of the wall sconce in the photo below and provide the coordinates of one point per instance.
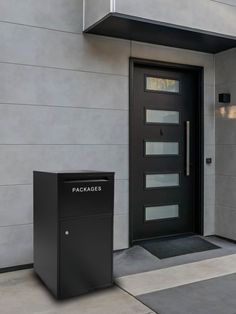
(226, 109)
(224, 98)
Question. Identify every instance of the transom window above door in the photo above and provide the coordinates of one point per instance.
(163, 85)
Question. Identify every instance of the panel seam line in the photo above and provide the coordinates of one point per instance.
(63, 69)
(40, 27)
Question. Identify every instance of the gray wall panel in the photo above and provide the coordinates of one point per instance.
(56, 87)
(226, 221)
(18, 161)
(40, 47)
(225, 134)
(60, 125)
(225, 159)
(226, 146)
(121, 202)
(209, 129)
(16, 245)
(209, 188)
(209, 220)
(225, 68)
(64, 15)
(209, 100)
(121, 233)
(16, 205)
(95, 10)
(225, 191)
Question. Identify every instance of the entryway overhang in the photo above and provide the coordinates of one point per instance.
(138, 29)
(204, 25)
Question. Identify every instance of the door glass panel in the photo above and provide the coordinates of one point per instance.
(162, 116)
(159, 84)
(162, 148)
(161, 212)
(162, 180)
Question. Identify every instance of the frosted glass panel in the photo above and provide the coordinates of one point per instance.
(162, 148)
(162, 180)
(162, 85)
(161, 116)
(161, 212)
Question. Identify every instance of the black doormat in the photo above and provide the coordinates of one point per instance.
(176, 246)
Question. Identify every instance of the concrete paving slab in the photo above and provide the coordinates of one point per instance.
(175, 276)
(22, 292)
(214, 296)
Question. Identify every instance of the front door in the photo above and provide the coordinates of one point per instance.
(164, 151)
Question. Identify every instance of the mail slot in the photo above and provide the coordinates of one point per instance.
(86, 196)
(73, 230)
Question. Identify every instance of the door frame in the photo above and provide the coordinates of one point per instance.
(199, 216)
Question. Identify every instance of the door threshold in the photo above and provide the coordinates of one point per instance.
(177, 235)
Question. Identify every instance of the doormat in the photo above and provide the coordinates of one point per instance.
(176, 246)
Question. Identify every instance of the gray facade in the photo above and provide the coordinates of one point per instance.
(225, 147)
(64, 105)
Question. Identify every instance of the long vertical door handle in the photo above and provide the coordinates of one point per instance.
(187, 148)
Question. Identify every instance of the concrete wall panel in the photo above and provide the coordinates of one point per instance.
(95, 11)
(16, 206)
(60, 125)
(18, 161)
(56, 87)
(40, 47)
(16, 245)
(63, 15)
(226, 146)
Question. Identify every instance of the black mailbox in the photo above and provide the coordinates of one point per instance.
(73, 231)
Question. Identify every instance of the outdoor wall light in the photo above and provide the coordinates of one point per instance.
(226, 110)
(224, 98)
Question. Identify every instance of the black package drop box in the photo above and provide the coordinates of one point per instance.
(73, 231)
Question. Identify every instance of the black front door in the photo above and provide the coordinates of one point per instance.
(164, 151)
